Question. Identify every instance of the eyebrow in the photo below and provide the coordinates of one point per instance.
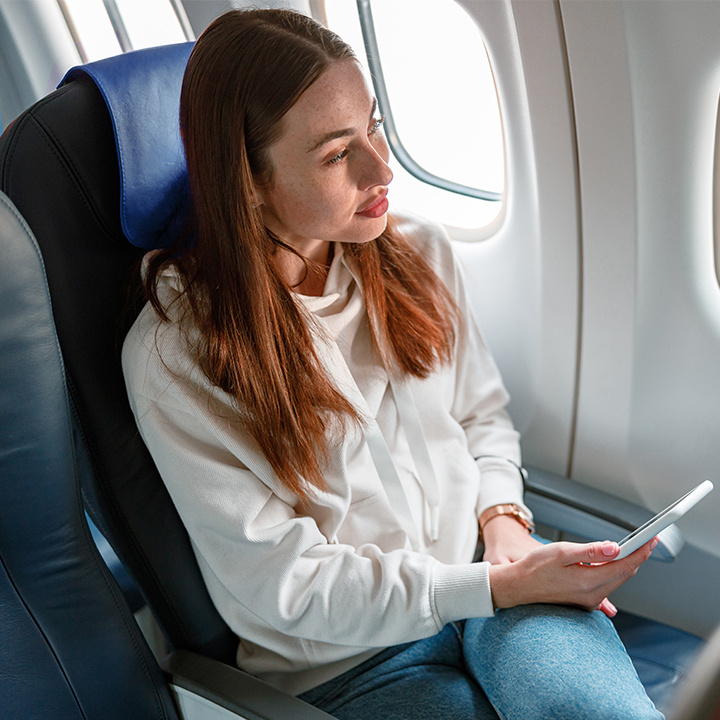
(335, 134)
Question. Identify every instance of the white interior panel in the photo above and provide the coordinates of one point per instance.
(646, 80)
(36, 45)
(524, 276)
(606, 153)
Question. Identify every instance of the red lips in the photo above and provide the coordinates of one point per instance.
(377, 208)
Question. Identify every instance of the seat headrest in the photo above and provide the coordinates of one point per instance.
(142, 92)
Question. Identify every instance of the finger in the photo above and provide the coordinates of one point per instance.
(608, 608)
(639, 556)
(589, 553)
(651, 545)
(609, 576)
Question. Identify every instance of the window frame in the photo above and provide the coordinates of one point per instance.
(403, 157)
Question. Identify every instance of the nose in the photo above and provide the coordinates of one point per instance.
(375, 169)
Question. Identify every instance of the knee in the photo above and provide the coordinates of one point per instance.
(561, 698)
(551, 662)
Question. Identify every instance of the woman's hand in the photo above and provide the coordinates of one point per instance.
(506, 540)
(567, 574)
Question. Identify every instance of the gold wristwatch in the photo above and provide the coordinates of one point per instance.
(509, 509)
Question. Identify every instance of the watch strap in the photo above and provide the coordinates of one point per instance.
(509, 510)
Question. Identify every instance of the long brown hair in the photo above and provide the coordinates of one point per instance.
(245, 72)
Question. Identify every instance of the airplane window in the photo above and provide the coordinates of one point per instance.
(151, 22)
(90, 28)
(440, 57)
(102, 28)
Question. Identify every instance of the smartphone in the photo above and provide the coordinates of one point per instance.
(637, 538)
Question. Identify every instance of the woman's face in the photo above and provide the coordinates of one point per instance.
(329, 167)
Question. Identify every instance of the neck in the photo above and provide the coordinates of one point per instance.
(307, 274)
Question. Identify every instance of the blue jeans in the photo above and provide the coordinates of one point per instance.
(534, 662)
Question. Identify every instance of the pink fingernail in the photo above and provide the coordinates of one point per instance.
(609, 548)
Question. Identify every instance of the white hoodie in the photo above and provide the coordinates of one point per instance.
(384, 556)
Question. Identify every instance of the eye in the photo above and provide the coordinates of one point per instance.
(340, 156)
(376, 125)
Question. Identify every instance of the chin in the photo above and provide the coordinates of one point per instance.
(370, 230)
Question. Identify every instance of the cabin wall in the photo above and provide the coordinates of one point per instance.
(597, 290)
(524, 274)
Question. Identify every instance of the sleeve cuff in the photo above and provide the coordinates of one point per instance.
(500, 484)
(462, 591)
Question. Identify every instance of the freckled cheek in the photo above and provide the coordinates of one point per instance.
(308, 201)
(330, 198)
(310, 213)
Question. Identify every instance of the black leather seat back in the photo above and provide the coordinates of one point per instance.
(59, 165)
(69, 648)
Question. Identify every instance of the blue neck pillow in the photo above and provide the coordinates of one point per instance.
(142, 93)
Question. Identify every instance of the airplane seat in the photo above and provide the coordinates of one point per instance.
(65, 163)
(58, 165)
(56, 595)
(69, 442)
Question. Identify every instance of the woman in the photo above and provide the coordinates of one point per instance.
(331, 427)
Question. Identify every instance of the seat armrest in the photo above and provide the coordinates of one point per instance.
(591, 514)
(202, 682)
